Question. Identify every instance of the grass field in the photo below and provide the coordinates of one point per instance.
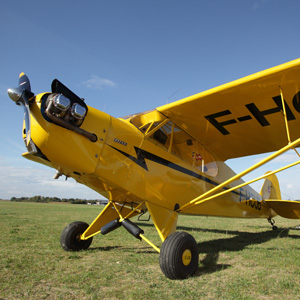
(238, 258)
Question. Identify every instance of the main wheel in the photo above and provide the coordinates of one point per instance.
(179, 256)
(70, 237)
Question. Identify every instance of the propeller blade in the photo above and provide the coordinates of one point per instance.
(24, 82)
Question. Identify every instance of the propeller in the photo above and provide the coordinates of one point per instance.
(21, 96)
(24, 82)
(22, 93)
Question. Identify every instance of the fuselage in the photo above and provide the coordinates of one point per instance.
(144, 157)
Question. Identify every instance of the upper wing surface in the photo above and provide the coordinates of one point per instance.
(243, 117)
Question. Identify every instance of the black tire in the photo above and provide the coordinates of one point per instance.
(69, 238)
(179, 256)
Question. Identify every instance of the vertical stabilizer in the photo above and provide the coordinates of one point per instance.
(270, 188)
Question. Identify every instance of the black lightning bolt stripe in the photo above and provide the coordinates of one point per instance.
(143, 154)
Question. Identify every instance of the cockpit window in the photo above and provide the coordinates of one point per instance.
(179, 143)
(164, 133)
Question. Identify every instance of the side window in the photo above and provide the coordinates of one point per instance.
(163, 134)
(204, 161)
(179, 143)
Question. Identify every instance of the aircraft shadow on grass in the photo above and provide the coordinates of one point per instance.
(107, 248)
(235, 241)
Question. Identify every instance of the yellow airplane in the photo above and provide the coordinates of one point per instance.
(170, 160)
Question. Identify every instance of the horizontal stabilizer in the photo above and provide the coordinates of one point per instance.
(284, 208)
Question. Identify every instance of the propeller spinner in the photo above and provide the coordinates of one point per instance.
(22, 93)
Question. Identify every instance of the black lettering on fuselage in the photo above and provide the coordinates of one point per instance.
(254, 204)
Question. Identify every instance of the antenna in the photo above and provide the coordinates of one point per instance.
(173, 94)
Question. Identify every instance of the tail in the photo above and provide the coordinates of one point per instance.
(271, 195)
(270, 188)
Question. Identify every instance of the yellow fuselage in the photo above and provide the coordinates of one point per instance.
(127, 165)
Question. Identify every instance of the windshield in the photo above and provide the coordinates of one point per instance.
(179, 143)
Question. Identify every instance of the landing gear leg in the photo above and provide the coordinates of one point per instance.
(272, 222)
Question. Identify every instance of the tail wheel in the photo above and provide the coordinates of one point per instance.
(70, 237)
(179, 256)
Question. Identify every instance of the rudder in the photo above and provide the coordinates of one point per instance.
(270, 188)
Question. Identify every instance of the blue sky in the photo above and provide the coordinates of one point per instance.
(131, 56)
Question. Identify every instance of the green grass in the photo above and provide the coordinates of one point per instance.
(238, 258)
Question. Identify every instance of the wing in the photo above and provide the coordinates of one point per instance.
(243, 117)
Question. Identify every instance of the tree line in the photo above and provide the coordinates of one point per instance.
(43, 199)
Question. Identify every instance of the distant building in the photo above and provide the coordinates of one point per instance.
(98, 202)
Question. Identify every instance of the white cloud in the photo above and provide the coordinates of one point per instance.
(98, 83)
(287, 157)
(26, 179)
(259, 3)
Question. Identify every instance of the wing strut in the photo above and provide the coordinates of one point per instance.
(285, 117)
(205, 196)
(286, 120)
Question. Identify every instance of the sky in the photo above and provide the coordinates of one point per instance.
(130, 56)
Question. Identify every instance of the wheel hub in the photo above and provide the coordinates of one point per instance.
(186, 257)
